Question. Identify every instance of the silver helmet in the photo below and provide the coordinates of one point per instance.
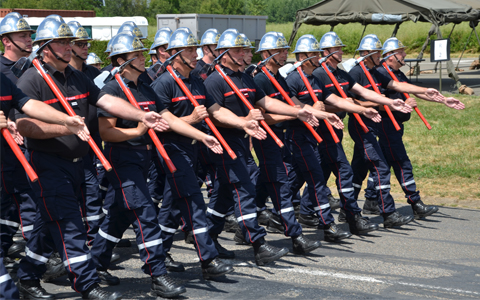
(182, 37)
(14, 22)
(126, 43)
(307, 43)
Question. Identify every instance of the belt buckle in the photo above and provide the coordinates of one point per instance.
(76, 159)
(193, 142)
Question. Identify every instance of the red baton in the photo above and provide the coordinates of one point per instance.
(344, 96)
(248, 104)
(190, 97)
(151, 132)
(48, 79)
(375, 88)
(19, 154)
(406, 95)
(315, 99)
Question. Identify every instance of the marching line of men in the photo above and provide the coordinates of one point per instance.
(77, 212)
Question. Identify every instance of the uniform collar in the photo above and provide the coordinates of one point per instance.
(68, 70)
(230, 72)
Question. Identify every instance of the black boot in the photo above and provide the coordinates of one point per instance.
(115, 257)
(334, 203)
(55, 268)
(107, 278)
(275, 225)
(309, 221)
(15, 250)
(420, 210)
(31, 289)
(302, 245)
(222, 252)
(95, 292)
(239, 238)
(189, 237)
(342, 217)
(370, 207)
(263, 216)
(215, 268)
(296, 209)
(265, 253)
(361, 225)
(124, 243)
(231, 224)
(395, 219)
(166, 287)
(172, 265)
(333, 233)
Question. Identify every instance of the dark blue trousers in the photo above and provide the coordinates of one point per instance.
(8, 290)
(234, 182)
(391, 143)
(367, 156)
(183, 198)
(130, 204)
(58, 223)
(274, 174)
(303, 146)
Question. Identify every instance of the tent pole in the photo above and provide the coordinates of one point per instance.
(478, 40)
(358, 45)
(464, 47)
(397, 26)
(451, 70)
(427, 42)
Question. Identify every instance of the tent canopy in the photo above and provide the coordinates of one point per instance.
(438, 12)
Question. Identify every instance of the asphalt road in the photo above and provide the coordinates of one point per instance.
(436, 258)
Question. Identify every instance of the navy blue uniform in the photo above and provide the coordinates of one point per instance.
(367, 155)
(391, 143)
(182, 196)
(129, 201)
(273, 173)
(60, 187)
(303, 146)
(332, 154)
(17, 205)
(10, 97)
(233, 178)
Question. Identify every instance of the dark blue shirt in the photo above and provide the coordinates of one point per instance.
(11, 97)
(5, 65)
(359, 76)
(299, 90)
(79, 91)
(223, 94)
(345, 81)
(146, 98)
(392, 94)
(92, 120)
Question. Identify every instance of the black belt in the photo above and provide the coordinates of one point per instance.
(140, 147)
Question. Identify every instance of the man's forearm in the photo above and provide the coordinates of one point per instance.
(120, 108)
(37, 129)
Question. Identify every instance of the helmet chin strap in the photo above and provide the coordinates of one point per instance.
(211, 51)
(276, 62)
(135, 68)
(402, 64)
(234, 61)
(18, 47)
(56, 56)
(311, 62)
(373, 62)
(75, 53)
(185, 62)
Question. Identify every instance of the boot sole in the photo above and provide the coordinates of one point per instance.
(308, 225)
(169, 294)
(417, 216)
(360, 232)
(398, 225)
(274, 230)
(208, 276)
(333, 240)
(371, 212)
(264, 261)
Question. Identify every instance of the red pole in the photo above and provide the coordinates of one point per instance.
(19, 154)
(209, 122)
(406, 95)
(248, 104)
(289, 100)
(48, 79)
(344, 96)
(151, 132)
(315, 99)
(375, 88)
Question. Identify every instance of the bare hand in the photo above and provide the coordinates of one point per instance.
(307, 116)
(3, 120)
(255, 115)
(76, 125)
(372, 114)
(319, 105)
(213, 144)
(400, 106)
(335, 121)
(454, 103)
(141, 128)
(412, 102)
(434, 95)
(199, 114)
(253, 129)
(12, 127)
(155, 121)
